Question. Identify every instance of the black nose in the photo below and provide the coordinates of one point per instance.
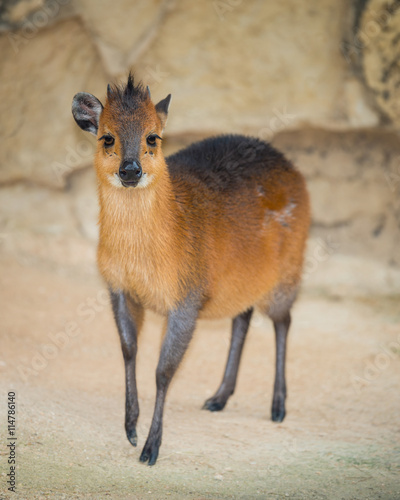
(130, 171)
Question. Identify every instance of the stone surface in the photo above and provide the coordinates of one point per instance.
(254, 66)
(39, 77)
(239, 67)
(13, 12)
(354, 183)
(84, 205)
(121, 38)
(348, 275)
(279, 71)
(377, 43)
(42, 227)
(29, 16)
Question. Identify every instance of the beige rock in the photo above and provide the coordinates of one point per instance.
(84, 203)
(254, 66)
(122, 30)
(339, 203)
(369, 156)
(348, 275)
(29, 16)
(39, 77)
(275, 70)
(378, 35)
(354, 183)
(36, 209)
(360, 114)
(40, 225)
(20, 10)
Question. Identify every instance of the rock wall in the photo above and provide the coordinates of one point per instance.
(372, 46)
(320, 78)
(256, 67)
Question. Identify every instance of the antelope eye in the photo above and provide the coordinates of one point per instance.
(108, 140)
(151, 139)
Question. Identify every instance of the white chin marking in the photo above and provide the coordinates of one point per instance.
(115, 180)
(145, 181)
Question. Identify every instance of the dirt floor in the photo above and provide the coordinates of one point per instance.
(60, 354)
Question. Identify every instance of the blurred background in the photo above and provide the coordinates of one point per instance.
(320, 79)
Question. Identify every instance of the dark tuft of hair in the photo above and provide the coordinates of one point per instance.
(127, 97)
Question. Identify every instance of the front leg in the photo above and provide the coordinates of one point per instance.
(129, 317)
(180, 328)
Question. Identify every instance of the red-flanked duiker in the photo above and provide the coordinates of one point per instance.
(210, 232)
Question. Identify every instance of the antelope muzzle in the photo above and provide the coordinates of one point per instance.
(130, 173)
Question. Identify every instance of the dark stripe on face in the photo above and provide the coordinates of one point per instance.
(130, 133)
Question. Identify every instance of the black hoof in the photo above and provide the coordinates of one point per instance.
(214, 405)
(278, 414)
(132, 437)
(150, 453)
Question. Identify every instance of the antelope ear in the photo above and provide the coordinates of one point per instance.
(87, 109)
(162, 109)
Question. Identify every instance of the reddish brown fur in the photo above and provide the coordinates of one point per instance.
(220, 229)
(144, 239)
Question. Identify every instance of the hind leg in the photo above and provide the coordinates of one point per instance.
(278, 401)
(240, 326)
(278, 309)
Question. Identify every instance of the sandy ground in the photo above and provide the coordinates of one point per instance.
(340, 439)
